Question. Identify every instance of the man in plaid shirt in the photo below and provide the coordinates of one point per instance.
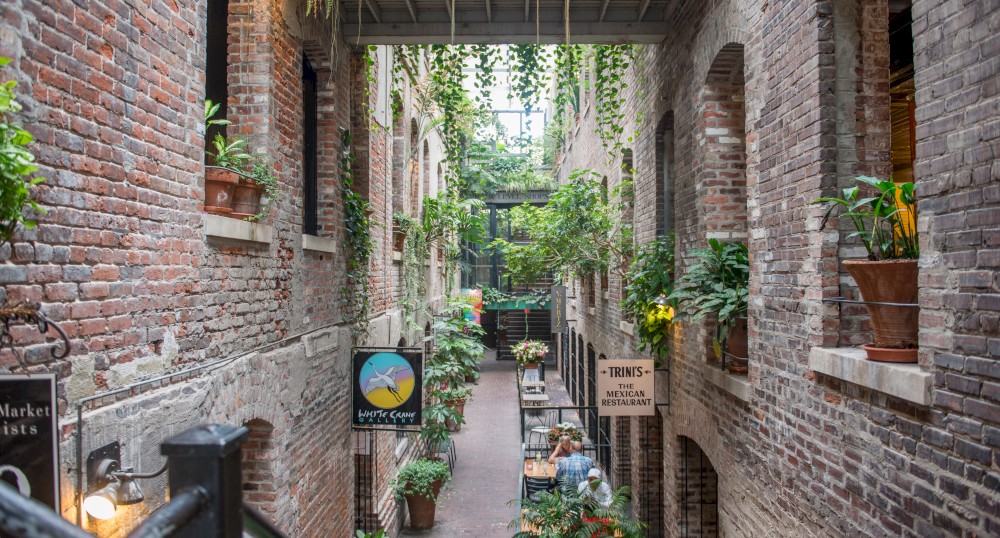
(573, 470)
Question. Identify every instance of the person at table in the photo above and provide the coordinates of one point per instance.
(573, 470)
(562, 450)
(595, 488)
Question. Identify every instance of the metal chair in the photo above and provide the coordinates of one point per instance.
(533, 486)
(546, 421)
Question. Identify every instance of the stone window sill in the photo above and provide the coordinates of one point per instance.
(397, 257)
(592, 310)
(318, 244)
(736, 385)
(237, 230)
(606, 295)
(904, 381)
(626, 327)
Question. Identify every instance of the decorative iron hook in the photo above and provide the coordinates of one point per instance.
(29, 313)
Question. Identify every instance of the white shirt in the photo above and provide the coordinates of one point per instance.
(602, 494)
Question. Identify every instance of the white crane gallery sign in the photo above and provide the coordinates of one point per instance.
(387, 387)
(625, 388)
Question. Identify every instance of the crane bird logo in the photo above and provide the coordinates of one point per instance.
(386, 380)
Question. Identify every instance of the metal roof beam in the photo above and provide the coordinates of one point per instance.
(413, 11)
(506, 32)
(642, 10)
(489, 12)
(374, 10)
(604, 9)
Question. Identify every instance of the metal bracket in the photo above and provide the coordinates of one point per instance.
(96, 476)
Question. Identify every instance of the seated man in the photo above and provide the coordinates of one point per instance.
(574, 469)
(595, 488)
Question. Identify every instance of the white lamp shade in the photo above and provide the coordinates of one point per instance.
(102, 503)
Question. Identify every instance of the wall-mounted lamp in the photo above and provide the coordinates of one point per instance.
(109, 485)
(662, 302)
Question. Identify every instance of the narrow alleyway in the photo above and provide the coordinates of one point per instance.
(486, 475)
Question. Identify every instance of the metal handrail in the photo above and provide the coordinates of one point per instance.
(258, 526)
(22, 516)
(171, 517)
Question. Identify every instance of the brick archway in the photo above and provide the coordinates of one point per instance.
(697, 486)
(259, 488)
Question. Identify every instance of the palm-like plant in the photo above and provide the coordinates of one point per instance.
(568, 515)
(884, 222)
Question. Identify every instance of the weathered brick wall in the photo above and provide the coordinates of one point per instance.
(838, 458)
(114, 93)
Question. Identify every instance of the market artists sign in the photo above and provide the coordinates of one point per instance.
(29, 457)
(387, 387)
(625, 388)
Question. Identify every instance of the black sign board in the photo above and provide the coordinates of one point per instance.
(558, 311)
(387, 387)
(29, 448)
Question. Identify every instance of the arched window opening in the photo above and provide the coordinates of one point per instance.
(665, 175)
(698, 492)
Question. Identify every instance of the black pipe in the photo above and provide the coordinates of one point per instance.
(167, 519)
(21, 516)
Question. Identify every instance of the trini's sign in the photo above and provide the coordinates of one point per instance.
(625, 388)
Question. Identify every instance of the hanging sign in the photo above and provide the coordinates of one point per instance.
(29, 449)
(558, 311)
(387, 386)
(625, 388)
(474, 313)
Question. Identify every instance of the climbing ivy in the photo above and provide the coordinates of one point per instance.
(358, 242)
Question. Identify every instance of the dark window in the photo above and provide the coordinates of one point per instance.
(216, 62)
(309, 148)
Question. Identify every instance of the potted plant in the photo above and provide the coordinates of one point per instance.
(530, 353)
(455, 399)
(650, 280)
(228, 157)
(420, 482)
(401, 226)
(717, 284)
(885, 224)
(563, 428)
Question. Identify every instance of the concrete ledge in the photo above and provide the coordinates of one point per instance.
(733, 384)
(592, 310)
(905, 381)
(626, 327)
(239, 230)
(318, 244)
(397, 256)
(606, 294)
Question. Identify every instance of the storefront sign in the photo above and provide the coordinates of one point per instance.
(29, 450)
(387, 387)
(558, 311)
(625, 388)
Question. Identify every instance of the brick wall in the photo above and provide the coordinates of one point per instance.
(835, 457)
(122, 259)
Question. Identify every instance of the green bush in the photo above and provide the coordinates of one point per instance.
(418, 477)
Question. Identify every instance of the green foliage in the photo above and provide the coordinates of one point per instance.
(358, 239)
(418, 477)
(231, 154)
(569, 515)
(579, 232)
(651, 275)
(718, 283)
(17, 167)
(362, 534)
(458, 352)
(884, 222)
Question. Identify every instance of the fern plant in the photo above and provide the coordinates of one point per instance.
(17, 167)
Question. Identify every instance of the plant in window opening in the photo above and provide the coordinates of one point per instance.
(17, 167)
(650, 281)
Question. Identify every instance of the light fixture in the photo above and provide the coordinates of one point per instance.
(109, 485)
(664, 304)
(661, 300)
(102, 503)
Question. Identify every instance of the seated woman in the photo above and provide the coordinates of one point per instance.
(562, 450)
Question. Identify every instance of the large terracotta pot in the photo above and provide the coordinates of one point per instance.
(246, 199)
(736, 347)
(459, 406)
(398, 238)
(889, 281)
(422, 509)
(220, 185)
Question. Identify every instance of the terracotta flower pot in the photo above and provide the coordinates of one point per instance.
(398, 238)
(246, 199)
(889, 281)
(422, 509)
(220, 184)
(531, 366)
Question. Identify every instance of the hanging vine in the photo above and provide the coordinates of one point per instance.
(611, 62)
(358, 243)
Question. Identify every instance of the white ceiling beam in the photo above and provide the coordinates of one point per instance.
(489, 12)
(506, 32)
(604, 9)
(374, 10)
(527, 4)
(642, 10)
(447, 6)
(413, 10)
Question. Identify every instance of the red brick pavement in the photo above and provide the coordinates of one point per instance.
(489, 454)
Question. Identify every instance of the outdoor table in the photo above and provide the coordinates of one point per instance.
(536, 472)
(535, 399)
